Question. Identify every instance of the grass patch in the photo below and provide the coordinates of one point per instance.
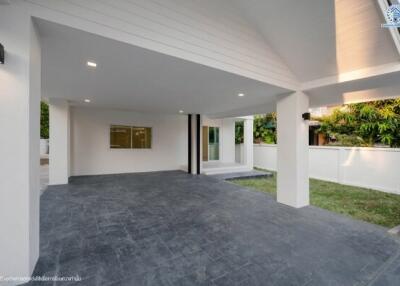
(360, 203)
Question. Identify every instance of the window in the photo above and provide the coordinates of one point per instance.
(120, 137)
(128, 137)
(141, 137)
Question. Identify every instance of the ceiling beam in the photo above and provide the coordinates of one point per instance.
(360, 74)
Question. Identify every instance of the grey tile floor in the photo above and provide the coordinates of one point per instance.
(170, 228)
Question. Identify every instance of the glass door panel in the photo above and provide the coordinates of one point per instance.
(213, 143)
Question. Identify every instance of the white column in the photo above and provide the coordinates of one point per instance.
(292, 161)
(59, 141)
(248, 144)
(227, 140)
(19, 145)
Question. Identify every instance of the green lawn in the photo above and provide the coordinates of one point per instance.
(364, 204)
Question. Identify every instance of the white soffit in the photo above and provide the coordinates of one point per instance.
(132, 78)
(206, 32)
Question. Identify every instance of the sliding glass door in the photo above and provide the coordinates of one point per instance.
(213, 143)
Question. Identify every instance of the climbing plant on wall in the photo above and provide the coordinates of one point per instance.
(44, 120)
(364, 124)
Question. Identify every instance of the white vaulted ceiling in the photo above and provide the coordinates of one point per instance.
(321, 38)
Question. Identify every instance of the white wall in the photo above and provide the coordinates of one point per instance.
(208, 32)
(226, 137)
(239, 153)
(265, 156)
(34, 145)
(375, 168)
(90, 141)
(19, 144)
(59, 153)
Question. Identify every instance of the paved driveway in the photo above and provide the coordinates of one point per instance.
(170, 228)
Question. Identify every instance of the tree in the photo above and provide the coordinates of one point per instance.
(364, 124)
(239, 132)
(44, 120)
(265, 128)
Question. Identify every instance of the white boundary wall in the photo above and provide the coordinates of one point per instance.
(375, 168)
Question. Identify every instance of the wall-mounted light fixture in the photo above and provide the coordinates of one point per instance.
(91, 64)
(306, 116)
(1, 54)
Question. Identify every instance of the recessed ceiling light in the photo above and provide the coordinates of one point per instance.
(91, 64)
(87, 100)
(240, 94)
(180, 111)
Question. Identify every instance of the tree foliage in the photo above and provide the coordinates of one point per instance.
(265, 128)
(359, 124)
(364, 124)
(44, 120)
(239, 132)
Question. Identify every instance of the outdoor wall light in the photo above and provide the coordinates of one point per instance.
(306, 116)
(1, 54)
(91, 64)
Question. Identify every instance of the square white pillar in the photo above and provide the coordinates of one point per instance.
(20, 92)
(292, 165)
(248, 143)
(59, 120)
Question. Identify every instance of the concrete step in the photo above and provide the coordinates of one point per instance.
(224, 170)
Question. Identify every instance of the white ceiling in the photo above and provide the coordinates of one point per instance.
(133, 78)
(320, 38)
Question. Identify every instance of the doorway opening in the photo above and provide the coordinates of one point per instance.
(211, 139)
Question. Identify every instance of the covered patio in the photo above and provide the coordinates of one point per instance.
(130, 86)
(172, 228)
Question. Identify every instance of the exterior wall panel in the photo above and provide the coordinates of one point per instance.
(90, 142)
